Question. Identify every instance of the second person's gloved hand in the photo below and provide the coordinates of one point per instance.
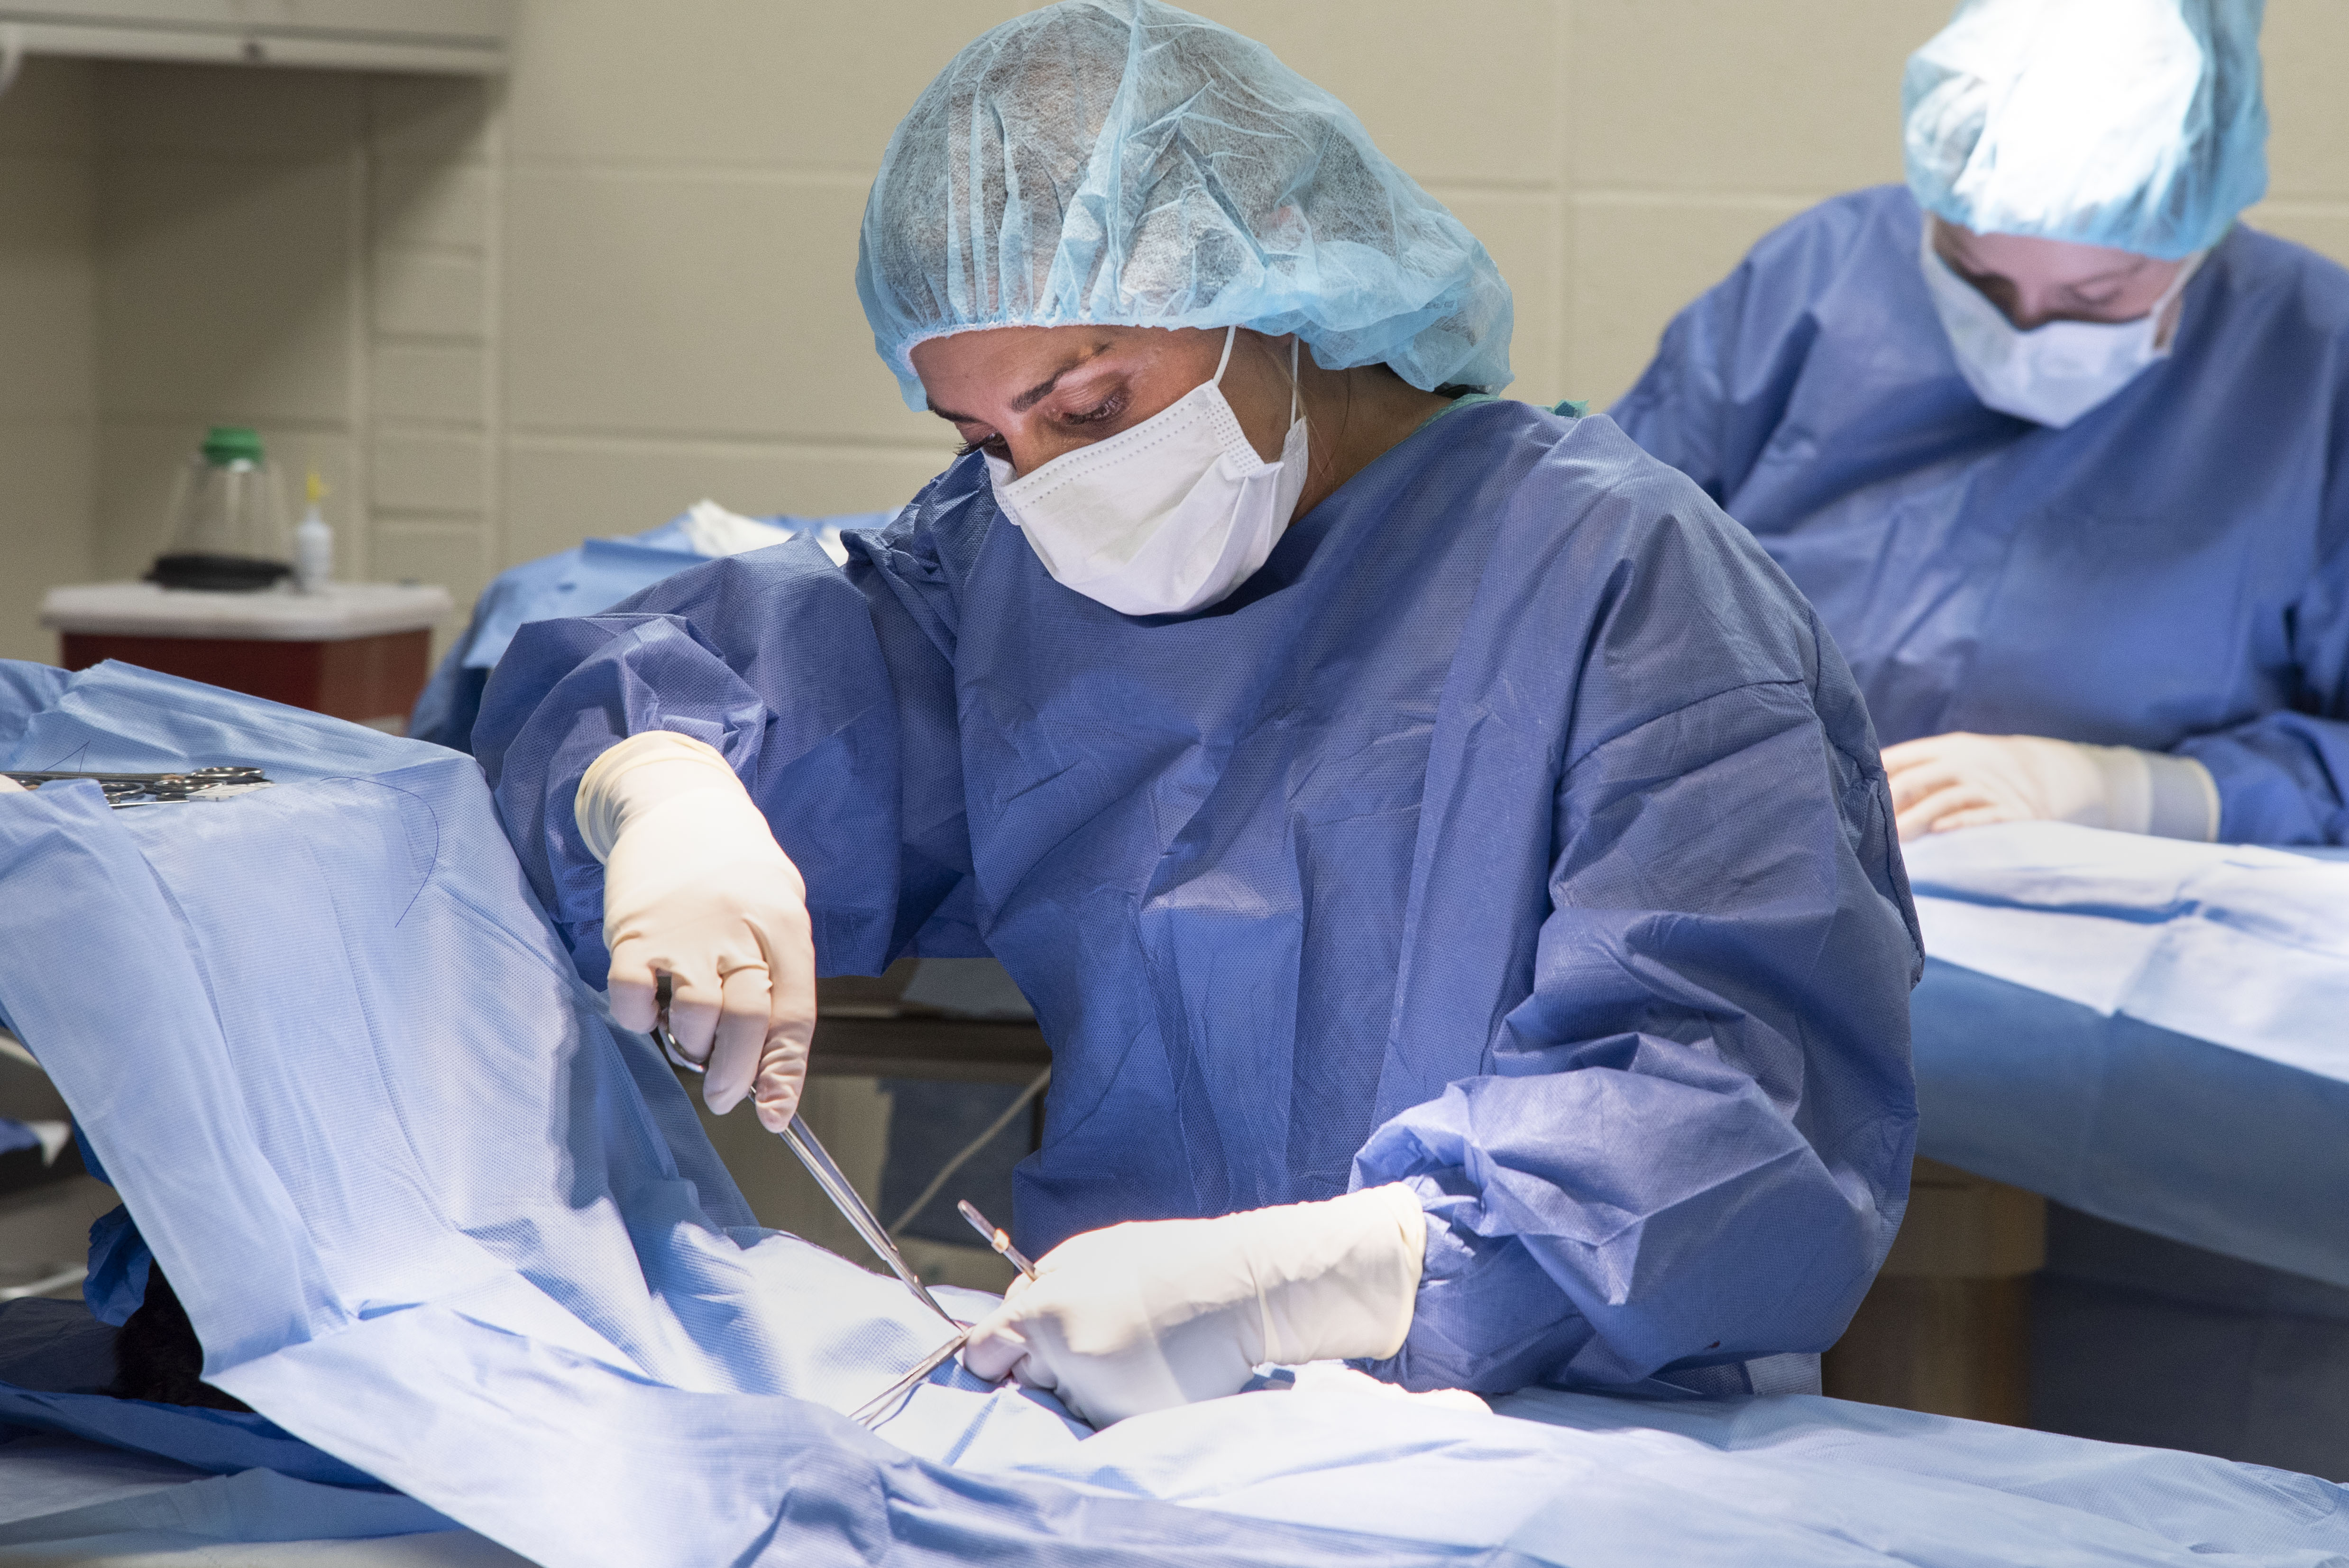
(1154, 1314)
(1961, 780)
(696, 888)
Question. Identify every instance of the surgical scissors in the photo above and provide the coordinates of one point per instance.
(812, 1154)
(886, 1403)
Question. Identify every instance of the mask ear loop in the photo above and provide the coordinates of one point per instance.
(1232, 334)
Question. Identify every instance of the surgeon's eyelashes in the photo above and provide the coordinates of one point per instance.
(1089, 420)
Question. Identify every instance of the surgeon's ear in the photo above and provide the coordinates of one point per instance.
(1257, 385)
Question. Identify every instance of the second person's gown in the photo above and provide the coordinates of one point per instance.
(2169, 572)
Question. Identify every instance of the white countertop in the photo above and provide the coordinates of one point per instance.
(336, 613)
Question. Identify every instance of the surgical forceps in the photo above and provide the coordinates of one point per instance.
(998, 1238)
(156, 789)
(812, 1154)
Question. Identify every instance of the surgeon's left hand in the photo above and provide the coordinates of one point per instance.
(1158, 1313)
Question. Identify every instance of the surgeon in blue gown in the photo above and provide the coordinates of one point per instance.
(2057, 448)
(1451, 864)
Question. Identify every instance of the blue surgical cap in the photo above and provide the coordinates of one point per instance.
(1123, 162)
(2137, 124)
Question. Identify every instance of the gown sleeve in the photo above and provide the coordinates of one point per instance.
(1691, 1147)
(830, 693)
(2283, 778)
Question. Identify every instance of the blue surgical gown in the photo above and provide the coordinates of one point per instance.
(2170, 573)
(1514, 832)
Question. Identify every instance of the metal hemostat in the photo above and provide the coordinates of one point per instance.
(812, 1154)
(221, 783)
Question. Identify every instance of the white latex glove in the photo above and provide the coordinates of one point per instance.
(1158, 1313)
(696, 888)
(1960, 781)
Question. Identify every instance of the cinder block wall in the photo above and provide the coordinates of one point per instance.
(48, 400)
(502, 316)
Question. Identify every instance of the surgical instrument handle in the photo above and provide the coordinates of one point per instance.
(997, 1237)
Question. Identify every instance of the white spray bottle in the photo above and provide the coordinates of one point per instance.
(313, 544)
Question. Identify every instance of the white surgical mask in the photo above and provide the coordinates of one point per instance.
(2058, 370)
(1167, 517)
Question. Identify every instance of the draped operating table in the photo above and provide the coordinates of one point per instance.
(464, 1248)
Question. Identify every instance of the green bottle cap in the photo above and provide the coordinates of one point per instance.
(226, 444)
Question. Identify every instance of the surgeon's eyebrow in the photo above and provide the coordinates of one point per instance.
(1973, 267)
(1044, 389)
(1034, 394)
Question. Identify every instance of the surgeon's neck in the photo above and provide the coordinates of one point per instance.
(1352, 417)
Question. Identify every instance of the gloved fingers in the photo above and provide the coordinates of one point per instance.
(782, 1076)
(633, 984)
(1034, 1372)
(740, 1027)
(695, 998)
(1908, 754)
(1925, 816)
(1920, 779)
(996, 1348)
(1920, 815)
(1978, 817)
(789, 1023)
(633, 989)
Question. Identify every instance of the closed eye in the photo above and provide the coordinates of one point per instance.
(1108, 408)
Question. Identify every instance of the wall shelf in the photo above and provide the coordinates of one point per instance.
(452, 37)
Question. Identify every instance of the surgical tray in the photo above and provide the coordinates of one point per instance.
(158, 789)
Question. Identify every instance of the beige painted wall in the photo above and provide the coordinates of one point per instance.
(503, 316)
(47, 326)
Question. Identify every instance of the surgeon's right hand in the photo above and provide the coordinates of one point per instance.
(696, 888)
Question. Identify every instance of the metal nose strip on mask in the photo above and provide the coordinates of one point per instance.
(812, 1154)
